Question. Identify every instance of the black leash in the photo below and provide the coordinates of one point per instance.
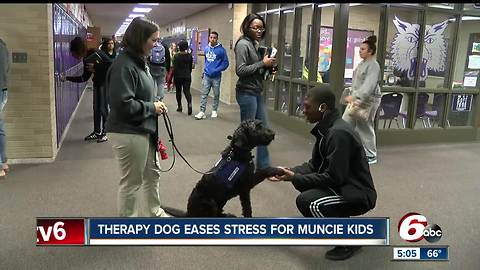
(168, 126)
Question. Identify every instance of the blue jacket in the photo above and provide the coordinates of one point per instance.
(216, 60)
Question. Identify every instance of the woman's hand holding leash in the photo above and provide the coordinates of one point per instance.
(160, 107)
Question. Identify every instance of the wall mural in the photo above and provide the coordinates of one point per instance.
(405, 46)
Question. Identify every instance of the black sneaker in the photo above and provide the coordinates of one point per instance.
(102, 138)
(92, 136)
(189, 109)
(179, 109)
(340, 253)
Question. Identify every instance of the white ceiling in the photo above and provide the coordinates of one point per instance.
(109, 17)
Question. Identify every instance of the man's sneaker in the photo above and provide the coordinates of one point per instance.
(340, 253)
(102, 138)
(214, 114)
(200, 115)
(372, 160)
(92, 136)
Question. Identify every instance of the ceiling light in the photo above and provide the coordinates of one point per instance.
(132, 15)
(288, 11)
(325, 5)
(128, 19)
(149, 4)
(142, 10)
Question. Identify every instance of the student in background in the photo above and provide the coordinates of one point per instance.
(216, 61)
(250, 68)
(366, 93)
(95, 62)
(159, 63)
(182, 75)
(108, 47)
(173, 50)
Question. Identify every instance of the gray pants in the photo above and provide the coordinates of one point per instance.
(366, 129)
(139, 169)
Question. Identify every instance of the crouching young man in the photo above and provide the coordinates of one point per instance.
(336, 181)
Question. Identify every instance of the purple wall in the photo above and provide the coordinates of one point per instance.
(67, 94)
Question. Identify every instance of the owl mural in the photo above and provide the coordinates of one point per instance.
(405, 46)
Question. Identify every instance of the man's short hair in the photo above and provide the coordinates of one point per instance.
(215, 33)
(322, 94)
(77, 45)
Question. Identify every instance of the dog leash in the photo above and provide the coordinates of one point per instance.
(169, 127)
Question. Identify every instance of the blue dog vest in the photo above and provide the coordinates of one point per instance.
(227, 171)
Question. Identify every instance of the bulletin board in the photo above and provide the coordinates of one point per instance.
(203, 39)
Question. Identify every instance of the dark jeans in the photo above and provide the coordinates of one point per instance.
(183, 85)
(252, 107)
(100, 108)
(326, 203)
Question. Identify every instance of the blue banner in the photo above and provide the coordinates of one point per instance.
(243, 231)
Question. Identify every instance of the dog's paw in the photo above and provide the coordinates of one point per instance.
(272, 171)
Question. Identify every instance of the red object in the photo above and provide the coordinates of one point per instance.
(162, 149)
(62, 231)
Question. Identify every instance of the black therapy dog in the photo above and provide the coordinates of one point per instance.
(233, 175)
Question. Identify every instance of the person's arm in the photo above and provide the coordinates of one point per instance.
(338, 158)
(366, 90)
(305, 168)
(82, 78)
(121, 87)
(225, 62)
(4, 60)
(167, 58)
(242, 68)
(192, 65)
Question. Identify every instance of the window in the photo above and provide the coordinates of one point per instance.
(326, 41)
(257, 8)
(270, 94)
(287, 50)
(466, 72)
(283, 97)
(300, 92)
(468, 53)
(450, 6)
(306, 28)
(363, 21)
(437, 47)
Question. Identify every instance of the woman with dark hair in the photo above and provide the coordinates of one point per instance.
(182, 75)
(132, 123)
(250, 68)
(95, 62)
(108, 47)
(366, 94)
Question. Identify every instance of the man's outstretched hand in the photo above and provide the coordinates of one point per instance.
(285, 176)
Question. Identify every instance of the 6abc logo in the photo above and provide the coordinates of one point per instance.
(413, 227)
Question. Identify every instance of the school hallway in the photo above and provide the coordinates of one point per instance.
(438, 181)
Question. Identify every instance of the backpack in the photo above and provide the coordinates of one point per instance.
(158, 54)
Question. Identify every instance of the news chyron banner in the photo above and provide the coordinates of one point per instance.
(213, 231)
